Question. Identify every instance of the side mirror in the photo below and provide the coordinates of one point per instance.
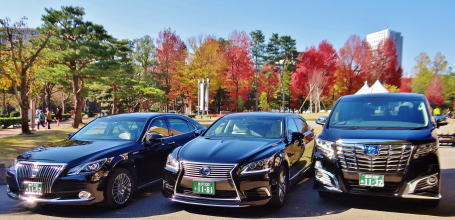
(321, 120)
(296, 136)
(198, 133)
(153, 138)
(440, 121)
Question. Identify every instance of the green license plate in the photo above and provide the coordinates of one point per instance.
(33, 188)
(204, 187)
(371, 180)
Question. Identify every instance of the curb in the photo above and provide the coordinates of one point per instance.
(2, 174)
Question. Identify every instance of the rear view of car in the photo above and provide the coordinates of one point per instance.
(379, 144)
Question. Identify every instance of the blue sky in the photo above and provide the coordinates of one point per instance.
(425, 25)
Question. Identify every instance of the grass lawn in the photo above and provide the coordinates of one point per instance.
(12, 146)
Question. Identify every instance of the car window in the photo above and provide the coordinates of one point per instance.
(111, 129)
(301, 125)
(179, 126)
(247, 127)
(159, 126)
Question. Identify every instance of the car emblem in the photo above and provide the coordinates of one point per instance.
(205, 171)
(371, 150)
(35, 171)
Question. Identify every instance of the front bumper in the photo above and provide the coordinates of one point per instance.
(410, 184)
(238, 191)
(65, 189)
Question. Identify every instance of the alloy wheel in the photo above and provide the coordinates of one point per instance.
(121, 188)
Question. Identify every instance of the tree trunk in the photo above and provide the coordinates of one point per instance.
(24, 107)
(79, 99)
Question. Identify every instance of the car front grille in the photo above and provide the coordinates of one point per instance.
(45, 173)
(193, 169)
(390, 158)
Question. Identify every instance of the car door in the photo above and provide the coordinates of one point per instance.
(181, 130)
(294, 149)
(308, 148)
(155, 153)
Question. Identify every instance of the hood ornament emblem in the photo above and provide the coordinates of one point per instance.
(371, 150)
(205, 171)
(35, 171)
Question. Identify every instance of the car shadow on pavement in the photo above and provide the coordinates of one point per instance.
(302, 201)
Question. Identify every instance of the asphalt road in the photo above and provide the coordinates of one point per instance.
(302, 201)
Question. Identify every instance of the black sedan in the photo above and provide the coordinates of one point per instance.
(105, 161)
(243, 159)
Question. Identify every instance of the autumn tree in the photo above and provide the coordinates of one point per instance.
(384, 65)
(434, 91)
(258, 56)
(405, 85)
(18, 56)
(314, 74)
(170, 54)
(353, 60)
(423, 74)
(268, 85)
(239, 72)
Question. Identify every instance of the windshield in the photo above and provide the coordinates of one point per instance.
(379, 114)
(247, 127)
(128, 129)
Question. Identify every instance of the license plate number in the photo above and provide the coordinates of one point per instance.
(371, 180)
(204, 187)
(33, 188)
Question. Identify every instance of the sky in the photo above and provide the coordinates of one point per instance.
(426, 26)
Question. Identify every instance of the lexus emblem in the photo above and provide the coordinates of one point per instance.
(205, 171)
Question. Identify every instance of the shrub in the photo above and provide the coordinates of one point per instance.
(14, 114)
(6, 122)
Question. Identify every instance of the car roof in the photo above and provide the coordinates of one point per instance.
(395, 96)
(143, 115)
(262, 114)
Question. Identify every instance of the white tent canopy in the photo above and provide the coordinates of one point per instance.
(377, 87)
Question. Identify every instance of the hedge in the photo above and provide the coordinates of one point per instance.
(6, 122)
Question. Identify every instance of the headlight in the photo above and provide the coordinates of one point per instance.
(425, 149)
(326, 147)
(172, 163)
(14, 165)
(88, 167)
(263, 165)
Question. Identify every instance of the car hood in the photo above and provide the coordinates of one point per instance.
(224, 150)
(68, 151)
(413, 136)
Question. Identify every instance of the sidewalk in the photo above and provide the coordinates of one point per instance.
(7, 132)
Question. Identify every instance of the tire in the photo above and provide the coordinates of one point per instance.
(119, 189)
(279, 195)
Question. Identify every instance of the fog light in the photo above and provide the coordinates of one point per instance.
(432, 180)
(84, 195)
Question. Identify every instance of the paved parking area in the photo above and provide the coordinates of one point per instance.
(303, 201)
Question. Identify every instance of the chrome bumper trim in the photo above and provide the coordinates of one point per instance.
(408, 196)
(207, 203)
(31, 199)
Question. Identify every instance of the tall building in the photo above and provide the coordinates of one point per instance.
(376, 38)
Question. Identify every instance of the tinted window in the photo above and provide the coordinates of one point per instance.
(292, 127)
(159, 126)
(380, 114)
(111, 129)
(247, 127)
(301, 125)
(179, 126)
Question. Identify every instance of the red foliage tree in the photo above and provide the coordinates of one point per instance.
(353, 59)
(239, 73)
(384, 65)
(405, 85)
(314, 74)
(434, 91)
(170, 55)
(268, 81)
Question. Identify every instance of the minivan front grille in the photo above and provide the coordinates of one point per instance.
(45, 173)
(389, 159)
(193, 169)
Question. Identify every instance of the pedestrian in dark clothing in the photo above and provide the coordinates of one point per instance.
(58, 115)
(41, 118)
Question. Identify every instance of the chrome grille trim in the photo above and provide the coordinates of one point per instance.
(46, 173)
(220, 171)
(392, 158)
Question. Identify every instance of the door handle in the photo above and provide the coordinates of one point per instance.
(172, 143)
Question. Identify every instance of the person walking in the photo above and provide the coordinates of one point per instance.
(58, 115)
(48, 118)
(40, 118)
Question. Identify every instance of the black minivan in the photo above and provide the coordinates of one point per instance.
(379, 144)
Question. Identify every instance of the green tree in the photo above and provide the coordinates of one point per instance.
(423, 73)
(17, 59)
(258, 55)
(80, 46)
(263, 102)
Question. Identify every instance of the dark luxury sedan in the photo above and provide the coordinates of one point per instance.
(381, 145)
(242, 159)
(105, 161)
